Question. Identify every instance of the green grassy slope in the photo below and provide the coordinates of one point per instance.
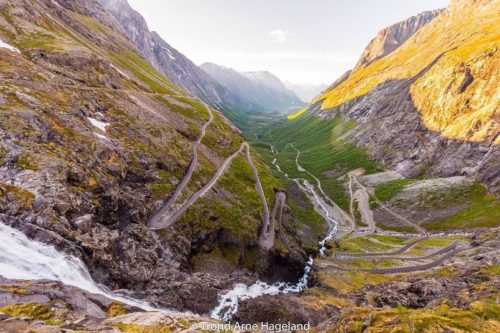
(322, 151)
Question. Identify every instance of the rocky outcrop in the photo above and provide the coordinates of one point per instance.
(394, 36)
(47, 306)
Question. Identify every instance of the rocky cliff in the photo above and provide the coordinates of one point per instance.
(430, 107)
(255, 88)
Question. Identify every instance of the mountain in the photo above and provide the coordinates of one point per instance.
(128, 204)
(241, 108)
(404, 150)
(306, 92)
(435, 97)
(391, 38)
(137, 181)
(166, 59)
(268, 80)
(259, 89)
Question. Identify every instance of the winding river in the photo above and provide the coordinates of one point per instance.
(229, 301)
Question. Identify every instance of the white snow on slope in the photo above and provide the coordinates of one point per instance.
(4, 45)
(99, 124)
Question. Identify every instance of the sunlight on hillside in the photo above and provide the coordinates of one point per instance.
(464, 110)
(298, 114)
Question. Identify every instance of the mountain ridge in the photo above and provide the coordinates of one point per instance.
(459, 134)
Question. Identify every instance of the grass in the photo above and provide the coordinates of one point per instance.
(386, 191)
(27, 162)
(322, 150)
(349, 282)
(116, 309)
(481, 316)
(483, 211)
(368, 245)
(141, 69)
(297, 114)
(134, 328)
(24, 198)
(28, 310)
(16, 290)
(394, 240)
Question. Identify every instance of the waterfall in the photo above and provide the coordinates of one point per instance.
(24, 259)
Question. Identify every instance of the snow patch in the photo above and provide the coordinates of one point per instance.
(4, 45)
(171, 56)
(100, 136)
(99, 124)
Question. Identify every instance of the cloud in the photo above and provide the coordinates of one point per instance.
(280, 36)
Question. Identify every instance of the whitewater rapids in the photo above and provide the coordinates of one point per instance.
(229, 301)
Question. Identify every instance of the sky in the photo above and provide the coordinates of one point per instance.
(300, 41)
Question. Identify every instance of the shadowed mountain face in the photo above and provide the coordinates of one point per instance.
(256, 88)
(430, 106)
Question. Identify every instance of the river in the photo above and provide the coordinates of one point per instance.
(229, 301)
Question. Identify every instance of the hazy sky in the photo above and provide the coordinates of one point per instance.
(301, 41)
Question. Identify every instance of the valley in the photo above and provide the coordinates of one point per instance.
(142, 193)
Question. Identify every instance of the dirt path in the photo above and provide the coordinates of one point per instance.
(362, 197)
(165, 217)
(390, 211)
(267, 233)
(402, 269)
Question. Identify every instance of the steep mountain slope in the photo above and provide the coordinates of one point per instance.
(166, 59)
(436, 98)
(94, 140)
(259, 89)
(394, 36)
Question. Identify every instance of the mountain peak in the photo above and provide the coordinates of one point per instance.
(392, 37)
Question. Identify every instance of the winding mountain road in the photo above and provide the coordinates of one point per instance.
(401, 269)
(267, 234)
(390, 211)
(160, 215)
(166, 219)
